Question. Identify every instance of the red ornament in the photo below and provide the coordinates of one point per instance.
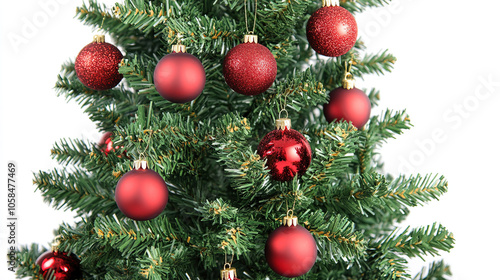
(141, 194)
(348, 103)
(62, 265)
(249, 68)
(332, 31)
(291, 249)
(179, 77)
(286, 150)
(106, 143)
(96, 65)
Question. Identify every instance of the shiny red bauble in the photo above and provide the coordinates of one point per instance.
(351, 105)
(63, 266)
(332, 31)
(287, 153)
(141, 194)
(249, 68)
(96, 66)
(106, 143)
(179, 77)
(291, 251)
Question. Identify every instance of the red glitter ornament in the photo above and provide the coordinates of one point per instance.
(63, 266)
(96, 65)
(332, 30)
(286, 150)
(249, 68)
(291, 249)
(141, 194)
(179, 77)
(348, 103)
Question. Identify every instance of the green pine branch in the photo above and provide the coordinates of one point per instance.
(334, 146)
(95, 255)
(380, 63)
(300, 91)
(336, 237)
(385, 265)
(387, 125)
(243, 167)
(380, 128)
(71, 151)
(26, 259)
(369, 194)
(437, 270)
(414, 190)
(418, 242)
(107, 108)
(331, 71)
(78, 191)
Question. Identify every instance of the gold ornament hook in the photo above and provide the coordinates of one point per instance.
(348, 82)
(56, 243)
(254, 19)
(179, 47)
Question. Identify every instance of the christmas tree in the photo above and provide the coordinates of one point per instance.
(231, 175)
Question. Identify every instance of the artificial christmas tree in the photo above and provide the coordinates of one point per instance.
(221, 195)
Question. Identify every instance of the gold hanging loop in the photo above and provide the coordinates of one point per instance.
(254, 18)
(348, 81)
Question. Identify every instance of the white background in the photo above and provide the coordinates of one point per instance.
(447, 77)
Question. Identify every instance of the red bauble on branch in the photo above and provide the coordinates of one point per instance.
(332, 30)
(96, 65)
(62, 265)
(179, 77)
(141, 194)
(348, 103)
(249, 68)
(291, 249)
(286, 150)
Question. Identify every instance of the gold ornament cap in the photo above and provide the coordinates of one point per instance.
(290, 219)
(283, 123)
(250, 38)
(228, 273)
(348, 82)
(99, 39)
(331, 3)
(140, 164)
(179, 48)
(56, 243)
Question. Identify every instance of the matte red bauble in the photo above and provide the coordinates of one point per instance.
(291, 250)
(286, 150)
(348, 103)
(62, 265)
(332, 31)
(141, 194)
(179, 77)
(96, 65)
(351, 105)
(249, 68)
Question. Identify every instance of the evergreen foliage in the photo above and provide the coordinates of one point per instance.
(222, 200)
